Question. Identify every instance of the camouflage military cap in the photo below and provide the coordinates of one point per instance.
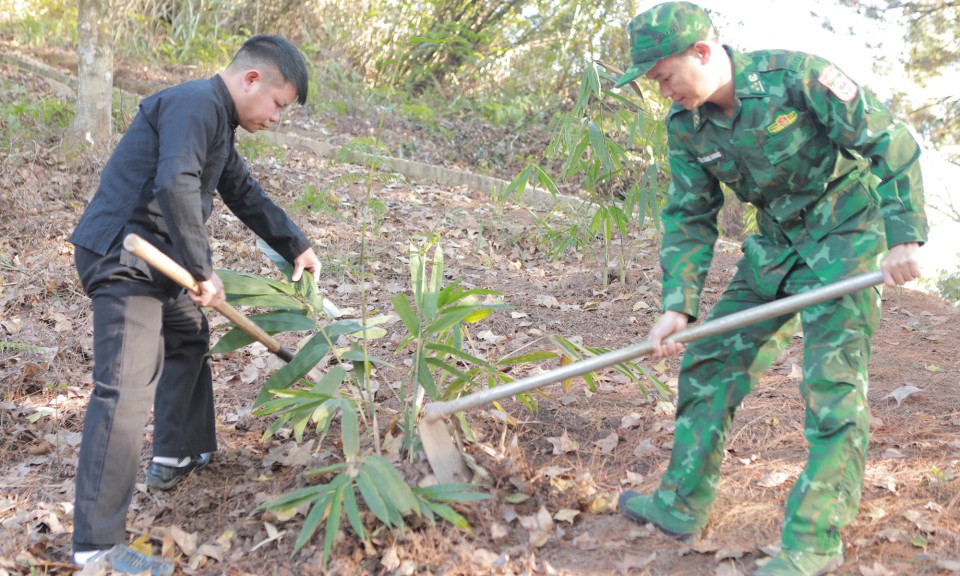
(662, 31)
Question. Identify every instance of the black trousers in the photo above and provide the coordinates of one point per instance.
(150, 343)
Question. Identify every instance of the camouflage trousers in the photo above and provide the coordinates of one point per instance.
(718, 372)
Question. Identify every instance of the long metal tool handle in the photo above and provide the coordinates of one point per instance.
(438, 410)
(154, 257)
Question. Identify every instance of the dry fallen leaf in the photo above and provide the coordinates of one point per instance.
(629, 421)
(727, 569)
(563, 444)
(499, 531)
(705, 547)
(390, 560)
(555, 471)
(632, 562)
(901, 393)
(539, 526)
(211, 551)
(773, 479)
(949, 565)
(187, 541)
(920, 520)
(585, 541)
(547, 301)
(632, 479)
(489, 336)
(875, 514)
(645, 447)
(876, 570)
(272, 535)
(566, 515)
(730, 554)
(889, 483)
(607, 444)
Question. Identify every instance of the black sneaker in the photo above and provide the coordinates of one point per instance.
(163, 477)
(122, 559)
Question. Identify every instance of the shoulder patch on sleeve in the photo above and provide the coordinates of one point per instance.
(837, 82)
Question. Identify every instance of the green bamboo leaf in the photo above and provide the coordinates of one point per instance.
(277, 425)
(518, 184)
(370, 482)
(619, 97)
(349, 429)
(403, 309)
(304, 361)
(599, 144)
(450, 515)
(279, 261)
(353, 512)
(295, 498)
(425, 379)
(318, 512)
(321, 391)
(395, 488)
(244, 284)
(619, 219)
(600, 216)
(589, 87)
(574, 162)
(449, 318)
(371, 496)
(300, 421)
(453, 492)
(275, 301)
(354, 355)
(440, 364)
(618, 155)
(547, 182)
(454, 351)
(436, 275)
(323, 416)
(526, 358)
(271, 322)
(455, 293)
(326, 469)
(333, 523)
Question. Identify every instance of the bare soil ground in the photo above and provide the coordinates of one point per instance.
(554, 474)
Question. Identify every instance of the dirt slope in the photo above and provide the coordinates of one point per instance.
(554, 473)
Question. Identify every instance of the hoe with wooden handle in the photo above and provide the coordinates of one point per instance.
(154, 257)
(445, 458)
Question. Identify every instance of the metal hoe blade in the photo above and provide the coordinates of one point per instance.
(442, 452)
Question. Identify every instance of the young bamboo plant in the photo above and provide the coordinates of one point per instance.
(616, 150)
(338, 394)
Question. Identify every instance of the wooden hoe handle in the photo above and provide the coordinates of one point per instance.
(154, 257)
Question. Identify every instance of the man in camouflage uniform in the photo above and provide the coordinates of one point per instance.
(836, 182)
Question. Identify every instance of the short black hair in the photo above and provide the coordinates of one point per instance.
(281, 54)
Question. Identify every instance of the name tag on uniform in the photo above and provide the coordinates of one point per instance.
(713, 156)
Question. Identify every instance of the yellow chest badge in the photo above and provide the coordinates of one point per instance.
(782, 122)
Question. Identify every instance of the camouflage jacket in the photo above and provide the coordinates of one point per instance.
(834, 176)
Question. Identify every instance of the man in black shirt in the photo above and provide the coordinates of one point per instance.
(150, 337)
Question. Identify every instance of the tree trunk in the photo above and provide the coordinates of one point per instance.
(92, 124)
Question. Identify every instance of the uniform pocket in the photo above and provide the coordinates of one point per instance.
(788, 143)
(838, 207)
(724, 169)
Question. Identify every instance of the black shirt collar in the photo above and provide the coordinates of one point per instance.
(220, 87)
